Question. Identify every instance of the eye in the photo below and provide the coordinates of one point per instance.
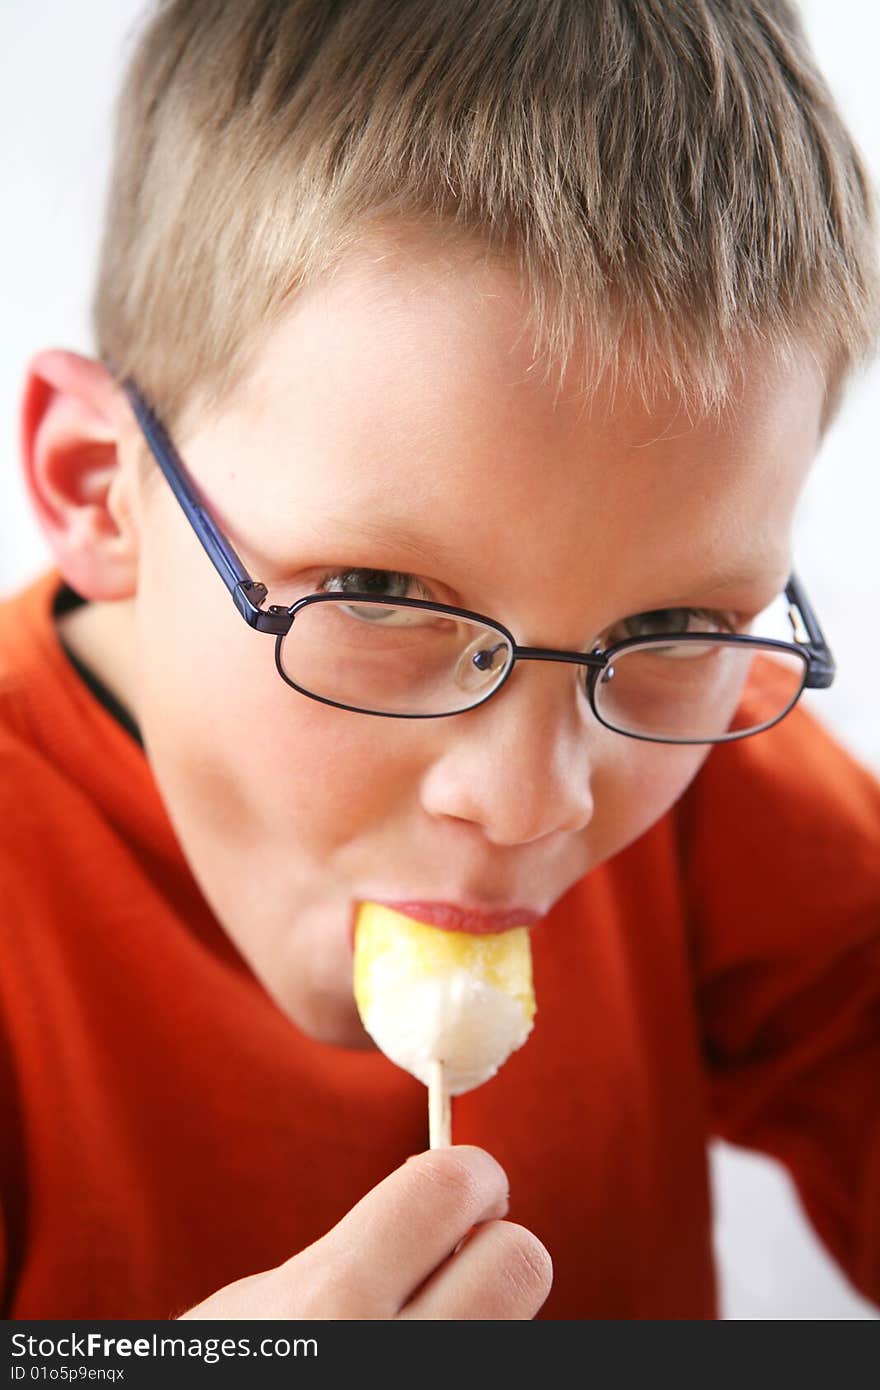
(378, 583)
(661, 622)
(390, 584)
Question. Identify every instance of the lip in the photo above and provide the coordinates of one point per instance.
(456, 917)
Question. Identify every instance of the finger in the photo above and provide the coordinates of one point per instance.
(501, 1272)
(398, 1234)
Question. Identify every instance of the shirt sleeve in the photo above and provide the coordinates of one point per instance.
(13, 1201)
(781, 855)
(6, 1187)
(4, 1292)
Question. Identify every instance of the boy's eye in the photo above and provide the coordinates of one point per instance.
(662, 621)
(379, 583)
(390, 584)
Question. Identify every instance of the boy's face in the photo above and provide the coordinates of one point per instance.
(391, 423)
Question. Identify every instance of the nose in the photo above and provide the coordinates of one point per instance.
(520, 766)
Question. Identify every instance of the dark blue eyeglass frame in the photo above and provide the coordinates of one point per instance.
(249, 594)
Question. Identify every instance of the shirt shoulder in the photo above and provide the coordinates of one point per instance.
(779, 841)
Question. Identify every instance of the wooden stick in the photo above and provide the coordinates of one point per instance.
(439, 1109)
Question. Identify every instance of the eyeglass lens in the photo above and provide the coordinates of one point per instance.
(698, 692)
(393, 660)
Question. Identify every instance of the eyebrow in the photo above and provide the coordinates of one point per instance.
(743, 573)
(391, 533)
(739, 572)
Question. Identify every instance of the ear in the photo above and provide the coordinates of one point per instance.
(73, 427)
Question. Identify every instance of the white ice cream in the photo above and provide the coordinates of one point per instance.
(430, 995)
(470, 1026)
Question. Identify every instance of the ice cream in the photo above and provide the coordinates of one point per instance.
(429, 996)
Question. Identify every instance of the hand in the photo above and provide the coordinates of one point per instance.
(426, 1243)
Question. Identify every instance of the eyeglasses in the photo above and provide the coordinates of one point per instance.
(408, 658)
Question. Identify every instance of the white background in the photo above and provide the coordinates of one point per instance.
(60, 68)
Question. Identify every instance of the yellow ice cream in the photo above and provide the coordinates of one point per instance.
(425, 994)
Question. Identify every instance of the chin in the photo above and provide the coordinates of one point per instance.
(328, 1019)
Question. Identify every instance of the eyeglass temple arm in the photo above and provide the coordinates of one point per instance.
(822, 668)
(247, 593)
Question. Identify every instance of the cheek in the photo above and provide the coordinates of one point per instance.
(637, 786)
(327, 775)
(260, 759)
(244, 755)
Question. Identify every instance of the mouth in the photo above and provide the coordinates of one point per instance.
(456, 917)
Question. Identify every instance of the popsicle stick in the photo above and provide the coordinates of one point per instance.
(439, 1108)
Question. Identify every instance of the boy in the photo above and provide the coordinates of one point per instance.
(532, 311)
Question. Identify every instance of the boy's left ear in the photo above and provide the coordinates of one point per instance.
(73, 428)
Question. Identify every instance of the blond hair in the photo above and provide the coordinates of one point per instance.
(671, 177)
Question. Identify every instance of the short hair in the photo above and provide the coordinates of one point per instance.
(671, 178)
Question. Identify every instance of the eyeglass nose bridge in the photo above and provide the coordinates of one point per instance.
(594, 659)
(593, 662)
(480, 656)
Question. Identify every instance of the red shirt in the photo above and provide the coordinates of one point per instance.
(166, 1129)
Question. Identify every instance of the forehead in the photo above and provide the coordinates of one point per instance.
(399, 396)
